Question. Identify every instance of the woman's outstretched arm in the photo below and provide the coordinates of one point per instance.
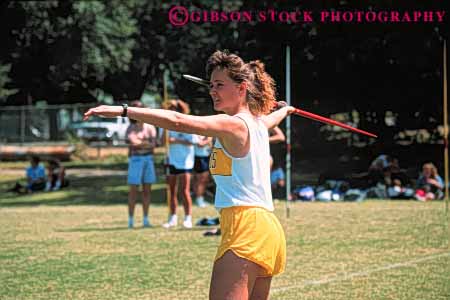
(221, 126)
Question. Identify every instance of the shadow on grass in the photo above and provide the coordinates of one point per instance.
(103, 229)
(110, 163)
(138, 227)
(88, 165)
(89, 190)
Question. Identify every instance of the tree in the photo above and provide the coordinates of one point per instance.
(4, 81)
(71, 46)
(61, 50)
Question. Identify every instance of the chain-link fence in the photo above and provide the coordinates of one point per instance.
(25, 124)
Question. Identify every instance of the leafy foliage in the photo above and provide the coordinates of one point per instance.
(4, 80)
(71, 45)
(61, 50)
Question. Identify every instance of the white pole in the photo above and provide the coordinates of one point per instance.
(288, 131)
(166, 142)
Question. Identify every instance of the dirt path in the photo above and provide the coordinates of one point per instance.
(73, 172)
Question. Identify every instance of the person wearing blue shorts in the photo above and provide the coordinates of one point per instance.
(141, 138)
(277, 178)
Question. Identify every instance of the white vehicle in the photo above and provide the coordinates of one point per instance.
(111, 130)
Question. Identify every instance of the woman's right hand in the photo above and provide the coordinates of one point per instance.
(106, 111)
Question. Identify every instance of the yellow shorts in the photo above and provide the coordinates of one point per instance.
(253, 233)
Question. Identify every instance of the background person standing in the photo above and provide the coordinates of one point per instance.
(141, 138)
(181, 164)
(201, 168)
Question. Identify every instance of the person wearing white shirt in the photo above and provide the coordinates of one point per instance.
(181, 164)
(253, 246)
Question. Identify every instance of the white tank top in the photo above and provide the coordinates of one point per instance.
(244, 181)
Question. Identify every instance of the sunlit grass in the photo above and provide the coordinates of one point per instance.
(86, 252)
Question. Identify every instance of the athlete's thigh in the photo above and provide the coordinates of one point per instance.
(261, 289)
(233, 277)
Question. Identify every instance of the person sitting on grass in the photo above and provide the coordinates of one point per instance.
(56, 176)
(429, 184)
(35, 176)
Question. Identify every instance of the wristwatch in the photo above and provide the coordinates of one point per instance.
(125, 108)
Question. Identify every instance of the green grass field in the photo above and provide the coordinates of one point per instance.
(74, 244)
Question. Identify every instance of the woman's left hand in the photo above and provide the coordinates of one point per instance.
(290, 109)
(106, 111)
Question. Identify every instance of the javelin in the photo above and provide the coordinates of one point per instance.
(200, 81)
(297, 111)
(315, 117)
